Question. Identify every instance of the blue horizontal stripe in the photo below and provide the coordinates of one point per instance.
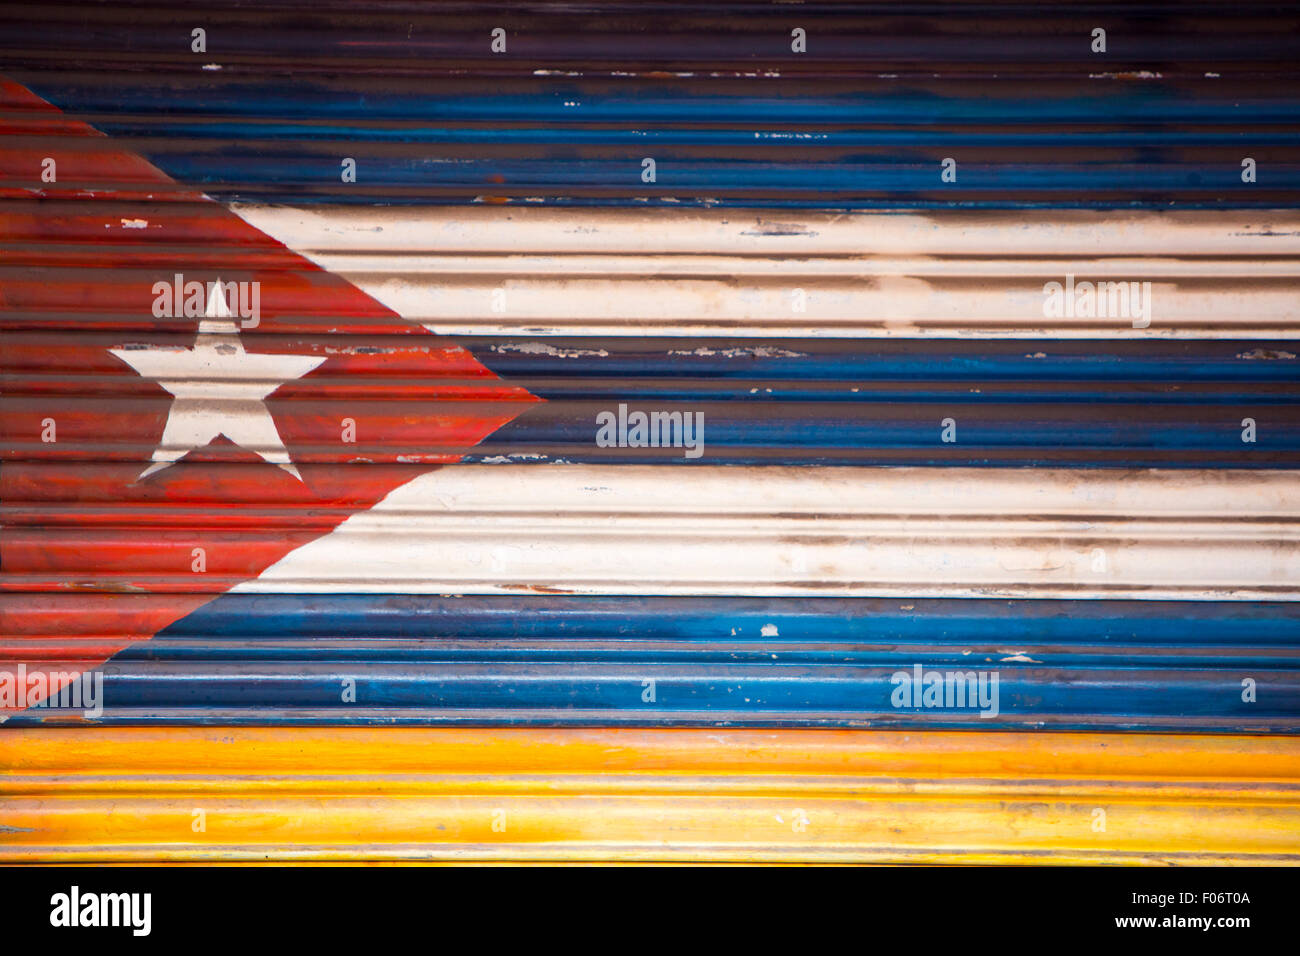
(265, 139)
(772, 694)
(985, 434)
(147, 102)
(1087, 367)
(714, 662)
(845, 620)
(805, 401)
(852, 179)
(800, 142)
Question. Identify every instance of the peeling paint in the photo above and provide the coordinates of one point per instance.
(540, 348)
(758, 351)
(1127, 75)
(1266, 354)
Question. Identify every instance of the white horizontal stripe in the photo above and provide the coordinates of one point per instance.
(519, 229)
(708, 272)
(648, 267)
(836, 531)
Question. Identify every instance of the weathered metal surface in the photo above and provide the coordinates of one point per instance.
(396, 794)
(327, 514)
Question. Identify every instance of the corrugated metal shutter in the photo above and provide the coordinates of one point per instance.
(909, 464)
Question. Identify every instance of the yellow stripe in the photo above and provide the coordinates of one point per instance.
(401, 794)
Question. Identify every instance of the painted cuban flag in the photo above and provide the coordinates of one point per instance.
(344, 461)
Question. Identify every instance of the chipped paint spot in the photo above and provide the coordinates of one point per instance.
(1127, 75)
(1020, 658)
(522, 456)
(770, 630)
(359, 350)
(135, 223)
(539, 348)
(1266, 354)
(758, 351)
(768, 228)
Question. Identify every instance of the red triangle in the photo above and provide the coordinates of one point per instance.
(93, 557)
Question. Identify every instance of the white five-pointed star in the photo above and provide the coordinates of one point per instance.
(219, 389)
